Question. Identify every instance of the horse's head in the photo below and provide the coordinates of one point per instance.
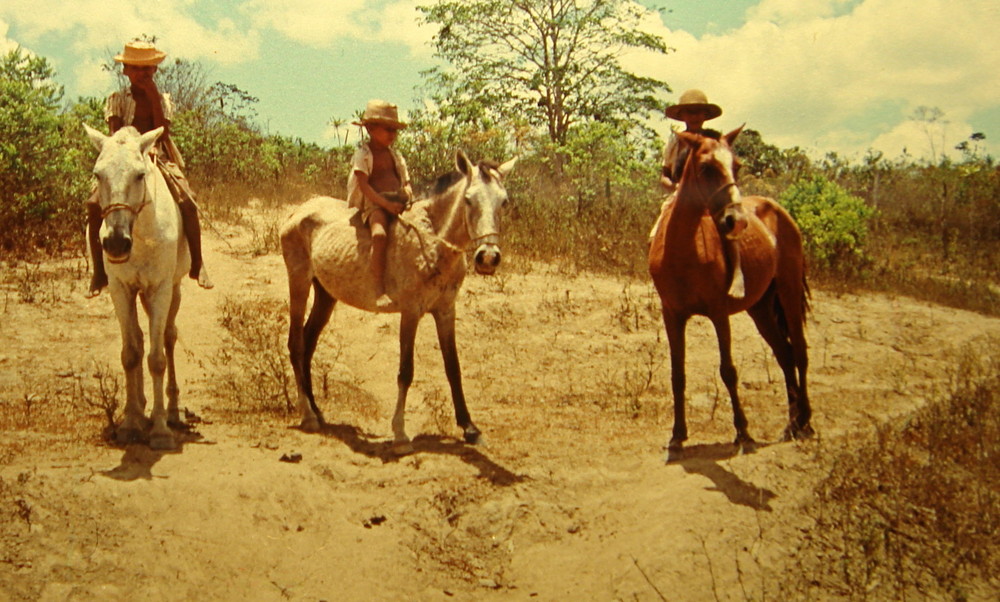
(710, 179)
(121, 171)
(485, 195)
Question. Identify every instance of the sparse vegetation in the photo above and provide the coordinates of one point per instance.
(251, 371)
(910, 513)
(915, 511)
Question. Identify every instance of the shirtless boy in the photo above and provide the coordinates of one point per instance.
(379, 184)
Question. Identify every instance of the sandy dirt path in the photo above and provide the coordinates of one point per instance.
(566, 374)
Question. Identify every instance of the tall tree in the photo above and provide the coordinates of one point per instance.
(552, 63)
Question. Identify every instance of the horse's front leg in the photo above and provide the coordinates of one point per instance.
(407, 335)
(445, 322)
(727, 370)
(134, 421)
(170, 342)
(675, 326)
(158, 303)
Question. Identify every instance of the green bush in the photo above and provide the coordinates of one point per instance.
(43, 177)
(834, 223)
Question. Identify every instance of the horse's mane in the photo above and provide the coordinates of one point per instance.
(448, 180)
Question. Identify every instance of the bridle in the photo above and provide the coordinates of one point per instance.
(123, 207)
(133, 210)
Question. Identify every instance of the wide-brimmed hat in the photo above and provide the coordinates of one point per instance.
(693, 99)
(141, 54)
(381, 112)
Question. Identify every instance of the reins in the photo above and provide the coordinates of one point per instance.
(453, 247)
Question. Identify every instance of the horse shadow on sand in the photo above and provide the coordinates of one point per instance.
(138, 460)
(706, 460)
(373, 446)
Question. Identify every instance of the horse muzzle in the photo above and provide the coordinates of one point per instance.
(487, 258)
(118, 248)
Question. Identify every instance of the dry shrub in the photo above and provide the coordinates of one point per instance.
(62, 402)
(251, 371)
(916, 511)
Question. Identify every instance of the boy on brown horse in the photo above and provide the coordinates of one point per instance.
(694, 110)
(142, 106)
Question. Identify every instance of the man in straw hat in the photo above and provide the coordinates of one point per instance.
(142, 106)
(379, 183)
(694, 110)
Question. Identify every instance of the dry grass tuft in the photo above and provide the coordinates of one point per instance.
(915, 512)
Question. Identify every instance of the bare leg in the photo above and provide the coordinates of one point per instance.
(99, 280)
(192, 231)
(380, 239)
(734, 272)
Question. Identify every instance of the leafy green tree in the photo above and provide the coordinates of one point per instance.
(42, 178)
(553, 63)
(834, 223)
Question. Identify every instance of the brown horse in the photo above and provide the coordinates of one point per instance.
(688, 267)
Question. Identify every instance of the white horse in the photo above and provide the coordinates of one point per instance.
(326, 248)
(145, 254)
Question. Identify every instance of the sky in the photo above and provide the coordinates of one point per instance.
(841, 76)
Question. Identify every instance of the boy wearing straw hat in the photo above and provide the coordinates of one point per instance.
(694, 110)
(379, 183)
(144, 107)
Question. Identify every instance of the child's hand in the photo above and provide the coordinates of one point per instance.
(393, 208)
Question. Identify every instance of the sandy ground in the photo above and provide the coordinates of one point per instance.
(569, 498)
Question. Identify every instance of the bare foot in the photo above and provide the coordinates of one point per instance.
(96, 285)
(384, 302)
(737, 289)
(203, 280)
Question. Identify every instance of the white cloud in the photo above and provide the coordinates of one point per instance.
(830, 75)
(322, 24)
(91, 26)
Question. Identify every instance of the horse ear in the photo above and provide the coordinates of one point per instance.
(463, 163)
(149, 139)
(507, 167)
(96, 137)
(731, 136)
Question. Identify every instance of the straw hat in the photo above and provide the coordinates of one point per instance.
(141, 54)
(382, 113)
(693, 99)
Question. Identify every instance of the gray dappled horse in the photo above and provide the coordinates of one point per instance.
(326, 248)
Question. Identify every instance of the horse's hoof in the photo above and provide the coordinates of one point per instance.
(309, 425)
(675, 452)
(798, 433)
(745, 444)
(473, 436)
(401, 448)
(126, 436)
(162, 442)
